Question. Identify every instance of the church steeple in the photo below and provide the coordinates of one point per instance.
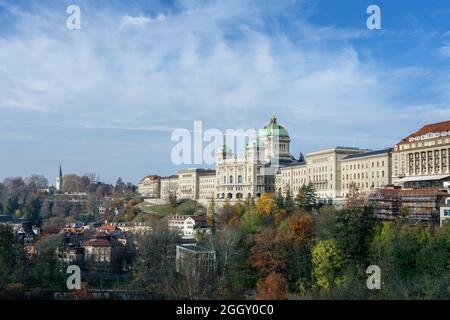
(59, 180)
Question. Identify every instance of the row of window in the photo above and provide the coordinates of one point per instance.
(362, 165)
(361, 175)
(230, 179)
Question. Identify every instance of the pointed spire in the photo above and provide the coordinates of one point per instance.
(60, 171)
(224, 149)
(273, 119)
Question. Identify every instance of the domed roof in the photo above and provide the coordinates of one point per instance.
(274, 129)
(225, 149)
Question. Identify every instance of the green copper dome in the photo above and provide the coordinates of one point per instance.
(274, 129)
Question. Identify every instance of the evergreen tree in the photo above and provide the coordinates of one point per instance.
(300, 198)
(310, 197)
(289, 203)
(279, 200)
(210, 214)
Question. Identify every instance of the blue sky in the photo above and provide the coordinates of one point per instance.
(106, 98)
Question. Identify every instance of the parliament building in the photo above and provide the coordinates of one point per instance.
(419, 160)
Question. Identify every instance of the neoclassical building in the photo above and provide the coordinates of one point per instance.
(253, 174)
(419, 160)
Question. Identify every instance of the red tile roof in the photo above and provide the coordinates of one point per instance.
(108, 228)
(98, 243)
(433, 127)
(151, 177)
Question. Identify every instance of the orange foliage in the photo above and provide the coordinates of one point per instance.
(272, 287)
(268, 254)
(300, 228)
(83, 293)
(266, 204)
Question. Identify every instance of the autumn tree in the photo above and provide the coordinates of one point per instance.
(355, 199)
(266, 204)
(300, 229)
(272, 287)
(268, 253)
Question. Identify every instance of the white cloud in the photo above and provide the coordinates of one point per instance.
(445, 51)
(128, 20)
(218, 64)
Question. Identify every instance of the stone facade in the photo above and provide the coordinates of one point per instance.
(149, 187)
(368, 170)
(422, 158)
(419, 160)
(169, 185)
(321, 168)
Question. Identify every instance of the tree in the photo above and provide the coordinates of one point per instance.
(249, 202)
(211, 215)
(413, 259)
(306, 198)
(353, 231)
(120, 186)
(355, 199)
(311, 197)
(404, 212)
(279, 200)
(12, 261)
(323, 223)
(46, 209)
(266, 204)
(36, 182)
(268, 253)
(224, 214)
(272, 287)
(300, 229)
(289, 203)
(32, 210)
(48, 265)
(328, 264)
(252, 222)
(154, 268)
(171, 203)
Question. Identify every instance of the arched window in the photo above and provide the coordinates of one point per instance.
(239, 179)
(230, 196)
(231, 179)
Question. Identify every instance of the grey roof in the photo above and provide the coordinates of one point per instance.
(367, 154)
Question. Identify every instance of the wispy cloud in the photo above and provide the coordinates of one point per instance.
(228, 63)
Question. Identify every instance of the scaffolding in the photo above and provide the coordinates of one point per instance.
(419, 205)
